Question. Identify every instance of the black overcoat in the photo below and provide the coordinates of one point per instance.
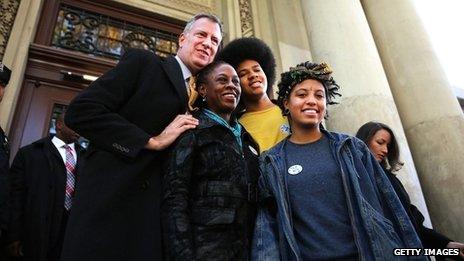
(429, 237)
(4, 188)
(38, 180)
(116, 212)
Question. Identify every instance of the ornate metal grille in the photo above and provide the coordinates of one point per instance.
(100, 35)
(246, 18)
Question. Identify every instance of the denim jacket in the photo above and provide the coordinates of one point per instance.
(379, 221)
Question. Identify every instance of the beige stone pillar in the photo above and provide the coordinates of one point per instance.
(281, 25)
(16, 53)
(339, 34)
(431, 116)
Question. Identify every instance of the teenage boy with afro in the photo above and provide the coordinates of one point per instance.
(255, 65)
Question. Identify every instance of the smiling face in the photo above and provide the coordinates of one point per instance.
(222, 90)
(198, 46)
(379, 144)
(252, 79)
(306, 104)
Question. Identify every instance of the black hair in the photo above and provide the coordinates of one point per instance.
(250, 48)
(202, 78)
(367, 131)
(304, 71)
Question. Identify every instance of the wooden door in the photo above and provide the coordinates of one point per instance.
(45, 98)
(52, 79)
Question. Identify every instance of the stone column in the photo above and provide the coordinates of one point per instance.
(22, 34)
(339, 34)
(431, 116)
(281, 25)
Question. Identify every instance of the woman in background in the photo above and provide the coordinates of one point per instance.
(382, 143)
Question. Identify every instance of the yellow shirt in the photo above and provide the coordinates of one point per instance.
(267, 127)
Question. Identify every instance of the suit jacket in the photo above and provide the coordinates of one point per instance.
(38, 181)
(116, 212)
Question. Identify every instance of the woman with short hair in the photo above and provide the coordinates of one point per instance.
(210, 183)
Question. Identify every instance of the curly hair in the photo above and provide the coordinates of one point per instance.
(367, 132)
(304, 71)
(249, 48)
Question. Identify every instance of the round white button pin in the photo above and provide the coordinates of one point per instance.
(295, 169)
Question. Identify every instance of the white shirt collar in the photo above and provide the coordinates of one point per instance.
(185, 71)
(59, 143)
(59, 146)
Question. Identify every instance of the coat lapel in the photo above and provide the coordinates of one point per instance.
(57, 168)
(174, 72)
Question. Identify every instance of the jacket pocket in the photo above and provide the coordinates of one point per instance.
(381, 231)
(213, 216)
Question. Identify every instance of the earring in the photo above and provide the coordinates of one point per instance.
(286, 112)
(203, 98)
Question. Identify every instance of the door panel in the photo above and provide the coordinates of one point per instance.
(37, 116)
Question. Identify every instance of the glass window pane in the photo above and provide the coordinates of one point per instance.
(95, 34)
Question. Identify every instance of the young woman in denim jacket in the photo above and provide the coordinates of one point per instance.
(322, 194)
(209, 202)
(381, 141)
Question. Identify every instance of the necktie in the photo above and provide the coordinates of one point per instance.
(70, 177)
(192, 93)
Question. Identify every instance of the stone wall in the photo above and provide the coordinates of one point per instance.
(8, 10)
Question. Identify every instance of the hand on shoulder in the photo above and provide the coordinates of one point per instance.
(178, 126)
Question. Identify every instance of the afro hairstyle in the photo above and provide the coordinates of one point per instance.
(249, 48)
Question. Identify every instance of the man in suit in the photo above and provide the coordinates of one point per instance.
(4, 158)
(130, 115)
(42, 187)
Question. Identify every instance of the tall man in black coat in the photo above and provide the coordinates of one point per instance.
(39, 181)
(130, 115)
